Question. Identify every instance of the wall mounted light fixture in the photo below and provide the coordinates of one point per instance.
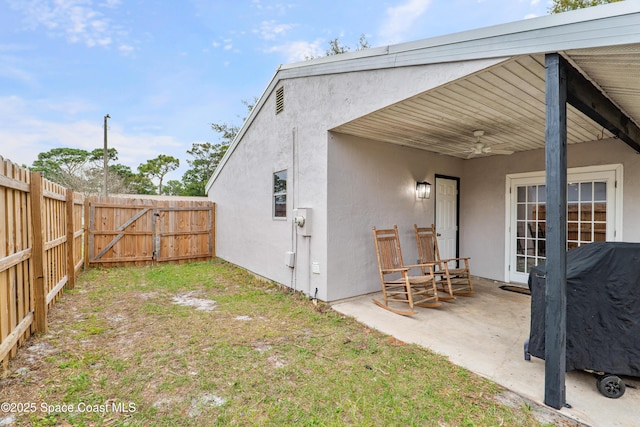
(423, 190)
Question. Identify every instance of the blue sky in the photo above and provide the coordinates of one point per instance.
(164, 70)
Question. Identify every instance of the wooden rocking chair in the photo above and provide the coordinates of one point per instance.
(455, 280)
(397, 285)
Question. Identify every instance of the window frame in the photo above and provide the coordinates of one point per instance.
(275, 213)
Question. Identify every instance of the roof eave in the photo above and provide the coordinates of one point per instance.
(552, 33)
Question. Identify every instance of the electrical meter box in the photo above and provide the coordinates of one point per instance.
(302, 218)
(290, 259)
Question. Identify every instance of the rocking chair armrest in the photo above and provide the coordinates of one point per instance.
(424, 264)
(455, 259)
(394, 270)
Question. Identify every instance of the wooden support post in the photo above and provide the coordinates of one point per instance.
(556, 246)
(71, 227)
(40, 293)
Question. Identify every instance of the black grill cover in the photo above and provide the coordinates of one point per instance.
(603, 308)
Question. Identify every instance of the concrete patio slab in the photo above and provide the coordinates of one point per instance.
(485, 334)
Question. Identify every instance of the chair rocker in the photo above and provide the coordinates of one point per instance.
(455, 280)
(398, 286)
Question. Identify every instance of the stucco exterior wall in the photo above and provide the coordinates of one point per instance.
(351, 184)
(246, 234)
(482, 206)
(374, 184)
(297, 139)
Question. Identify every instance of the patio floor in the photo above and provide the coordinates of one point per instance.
(485, 334)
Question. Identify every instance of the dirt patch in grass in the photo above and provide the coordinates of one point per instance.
(208, 344)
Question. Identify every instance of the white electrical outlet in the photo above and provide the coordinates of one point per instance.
(315, 267)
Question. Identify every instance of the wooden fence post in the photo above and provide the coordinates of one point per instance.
(213, 230)
(40, 295)
(71, 228)
(87, 229)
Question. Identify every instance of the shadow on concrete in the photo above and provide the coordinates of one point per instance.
(485, 333)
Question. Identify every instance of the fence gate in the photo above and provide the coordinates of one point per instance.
(125, 231)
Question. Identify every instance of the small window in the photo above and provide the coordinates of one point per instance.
(280, 100)
(280, 194)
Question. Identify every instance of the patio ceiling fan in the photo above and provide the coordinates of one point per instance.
(480, 147)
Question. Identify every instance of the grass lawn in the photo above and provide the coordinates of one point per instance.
(205, 344)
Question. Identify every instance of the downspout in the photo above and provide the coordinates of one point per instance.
(295, 168)
(294, 234)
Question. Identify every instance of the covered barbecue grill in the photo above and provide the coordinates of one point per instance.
(603, 312)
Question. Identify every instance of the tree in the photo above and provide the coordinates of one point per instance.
(159, 167)
(124, 180)
(336, 48)
(174, 188)
(75, 168)
(207, 156)
(560, 6)
(83, 171)
(141, 184)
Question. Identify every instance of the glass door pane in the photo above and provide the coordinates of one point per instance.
(530, 226)
(594, 203)
(586, 213)
(586, 220)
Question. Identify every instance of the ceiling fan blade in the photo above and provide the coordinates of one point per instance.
(506, 152)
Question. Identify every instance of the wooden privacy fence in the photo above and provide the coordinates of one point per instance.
(132, 231)
(48, 232)
(40, 251)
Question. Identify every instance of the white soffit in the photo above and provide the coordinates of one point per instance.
(507, 102)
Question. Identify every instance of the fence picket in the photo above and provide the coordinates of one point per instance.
(37, 258)
(136, 231)
(34, 241)
(50, 233)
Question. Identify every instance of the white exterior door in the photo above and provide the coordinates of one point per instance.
(447, 216)
(594, 198)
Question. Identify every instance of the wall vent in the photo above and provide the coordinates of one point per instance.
(279, 100)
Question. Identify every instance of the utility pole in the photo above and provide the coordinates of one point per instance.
(105, 155)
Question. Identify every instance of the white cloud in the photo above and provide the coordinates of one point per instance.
(25, 135)
(111, 3)
(399, 19)
(75, 20)
(277, 7)
(226, 44)
(11, 66)
(298, 50)
(71, 107)
(126, 49)
(269, 30)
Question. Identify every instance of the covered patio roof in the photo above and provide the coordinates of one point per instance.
(507, 102)
(549, 98)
